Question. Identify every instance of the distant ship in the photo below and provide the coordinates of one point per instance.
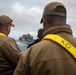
(26, 38)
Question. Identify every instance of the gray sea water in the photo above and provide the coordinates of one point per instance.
(22, 46)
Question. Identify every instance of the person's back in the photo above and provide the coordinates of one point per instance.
(48, 57)
(9, 51)
(8, 58)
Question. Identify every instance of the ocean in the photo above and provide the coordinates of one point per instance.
(22, 46)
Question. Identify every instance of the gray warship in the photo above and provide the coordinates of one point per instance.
(26, 38)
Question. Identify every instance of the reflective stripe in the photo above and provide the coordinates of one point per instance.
(2, 34)
(61, 41)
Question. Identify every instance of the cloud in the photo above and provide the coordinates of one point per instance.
(71, 13)
(26, 14)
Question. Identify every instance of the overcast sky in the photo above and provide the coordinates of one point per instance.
(26, 15)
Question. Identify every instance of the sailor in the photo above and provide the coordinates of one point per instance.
(9, 51)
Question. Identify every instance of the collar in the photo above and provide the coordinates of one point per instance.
(57, 29)
(2, 34)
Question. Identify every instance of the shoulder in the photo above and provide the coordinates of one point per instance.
(35, 41)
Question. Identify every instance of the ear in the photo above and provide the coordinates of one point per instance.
(7, 27)
(44, 21)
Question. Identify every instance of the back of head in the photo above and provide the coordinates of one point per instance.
(5, 24)
(40, 32)
(5, 20)
(54, 9)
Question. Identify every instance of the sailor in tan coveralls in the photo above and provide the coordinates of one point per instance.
(9, 51)
(51, 57)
